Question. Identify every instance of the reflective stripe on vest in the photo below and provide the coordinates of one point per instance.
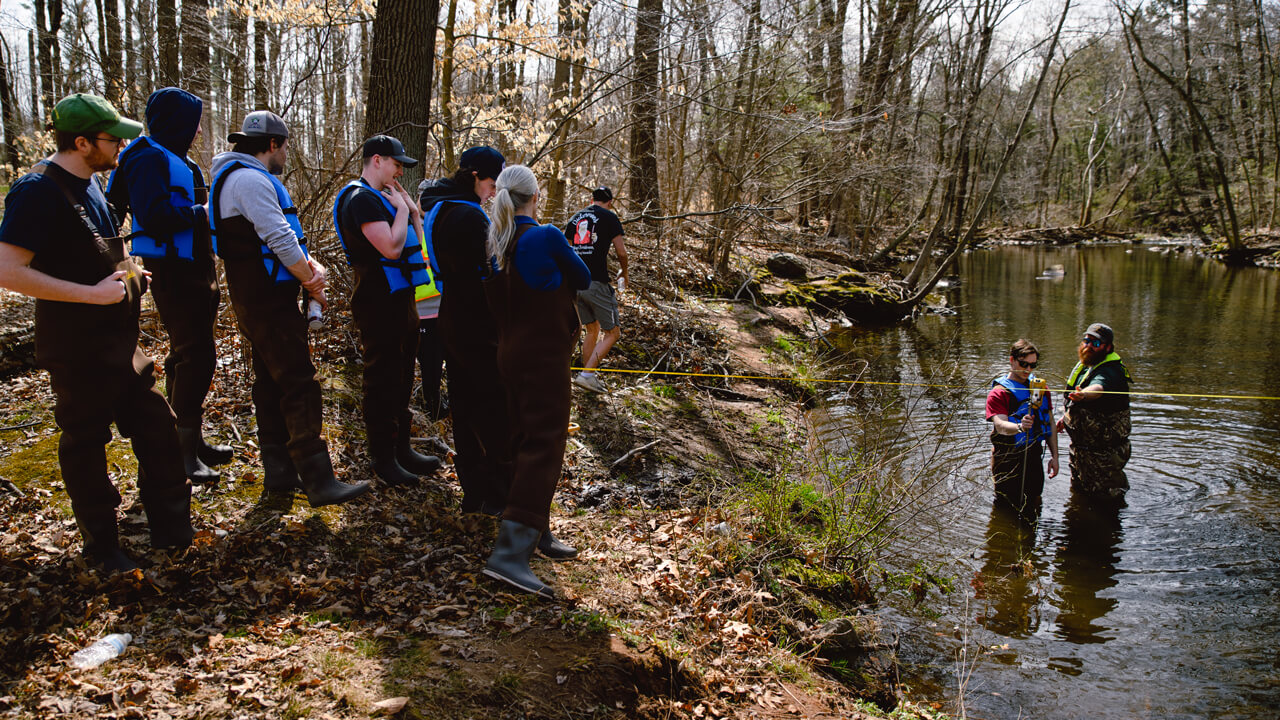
(407, 271)
(275, 269)
(1043, 419)
(1080, 369)
(182, 193)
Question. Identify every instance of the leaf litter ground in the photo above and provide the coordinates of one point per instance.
(378, 607)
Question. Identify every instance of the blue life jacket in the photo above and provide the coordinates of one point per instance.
(182, 193)
(236, 245)
(408, 271)
(429, 243)
(1043, 418)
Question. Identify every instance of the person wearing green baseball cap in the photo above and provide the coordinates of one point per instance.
(61, 244)
(82, 113)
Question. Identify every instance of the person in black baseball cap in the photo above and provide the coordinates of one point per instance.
(380, 227)
(1097, 417)
(591, 232)
(457, 231)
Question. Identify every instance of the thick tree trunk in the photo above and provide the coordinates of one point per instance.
(261, 84)
(112, 51)
(645, 197)
(446, 89)
(400, 70)
(167, 43)
(195, 48)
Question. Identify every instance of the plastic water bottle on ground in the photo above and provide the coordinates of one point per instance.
(315, 314)
(101, 651)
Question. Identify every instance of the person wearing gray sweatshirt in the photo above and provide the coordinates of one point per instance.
(263, 249)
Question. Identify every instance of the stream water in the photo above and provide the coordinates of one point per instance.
(1166, 608)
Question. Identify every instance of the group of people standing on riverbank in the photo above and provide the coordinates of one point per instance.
(1095, 416)
(494, 299)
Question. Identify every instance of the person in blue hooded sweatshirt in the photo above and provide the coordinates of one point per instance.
(165, 192)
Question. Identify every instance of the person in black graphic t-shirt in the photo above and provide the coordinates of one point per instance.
(591, 231)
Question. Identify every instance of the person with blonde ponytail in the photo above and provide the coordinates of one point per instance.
(532, 298)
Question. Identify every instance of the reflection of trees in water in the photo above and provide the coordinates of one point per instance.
(1085, 563)
(1008, 585)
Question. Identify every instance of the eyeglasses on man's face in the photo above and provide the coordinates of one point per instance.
(1027, 365)
(1093, 342)
(108, 139)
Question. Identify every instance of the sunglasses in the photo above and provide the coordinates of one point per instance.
(1027, 365)
(1093, 342)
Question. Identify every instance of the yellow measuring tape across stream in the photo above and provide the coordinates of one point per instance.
(907, 384)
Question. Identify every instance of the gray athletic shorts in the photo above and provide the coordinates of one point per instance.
(598, 303)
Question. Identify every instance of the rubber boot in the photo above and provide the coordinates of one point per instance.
(213, 455)
(414, 461)
(102, 543)
(510, 559)
(278, 473)
(170, 519)
(322, 488)
(553, 549)
(386, 467)
(189, 440)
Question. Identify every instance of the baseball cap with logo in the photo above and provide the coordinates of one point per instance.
(89, 113)
(387, 146)
(260, 123)
(1101, 332)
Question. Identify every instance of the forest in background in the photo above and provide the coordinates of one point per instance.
(719, 121)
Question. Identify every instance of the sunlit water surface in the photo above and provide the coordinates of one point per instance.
(1166, 608)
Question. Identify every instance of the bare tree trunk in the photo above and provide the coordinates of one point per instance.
(446, 89)
(8, 111)
(112, 51)
(261, 84)
(33, 66)
(167, 42)
(645, 196)
(400, 70)
(238, 24)
(195, 47)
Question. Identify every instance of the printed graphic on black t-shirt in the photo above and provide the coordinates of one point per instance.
(590, 232)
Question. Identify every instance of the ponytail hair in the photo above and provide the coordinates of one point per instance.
(516, 187)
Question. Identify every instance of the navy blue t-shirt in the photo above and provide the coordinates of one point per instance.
(37, 214)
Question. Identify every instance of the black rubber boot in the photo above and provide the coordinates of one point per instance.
(278, 473)
(213, 455)
(322, 488)
(553, 549)
(189, 440)
(102, 543)
(386, 467)
(414, 461)
(510, 559)
(170, 521)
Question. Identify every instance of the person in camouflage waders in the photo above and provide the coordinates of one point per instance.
(1097, 416)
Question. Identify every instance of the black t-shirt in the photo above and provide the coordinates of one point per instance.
(359, 207)
(591, 232)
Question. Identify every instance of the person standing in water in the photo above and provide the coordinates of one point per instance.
(1097, 416)
(1021, 416)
